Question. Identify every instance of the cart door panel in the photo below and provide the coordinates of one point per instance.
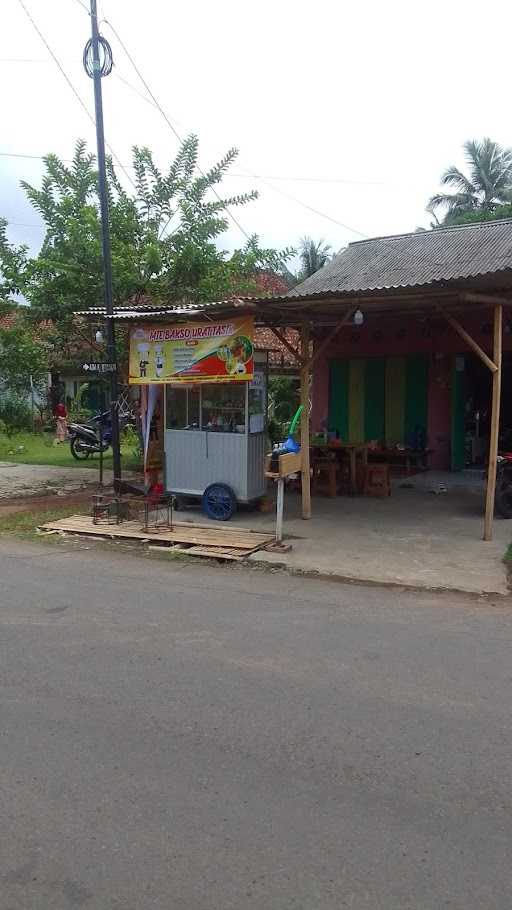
(197, 458)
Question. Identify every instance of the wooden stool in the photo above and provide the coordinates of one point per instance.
(376, 480)
(325, 476)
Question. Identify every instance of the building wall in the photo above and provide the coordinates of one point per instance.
(382, 336)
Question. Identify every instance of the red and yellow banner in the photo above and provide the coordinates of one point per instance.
(221, 351)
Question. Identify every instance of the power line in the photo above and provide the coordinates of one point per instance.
(174, 130)
(255, 176)
(248, 176)
(172, 127)
(68, 80)
(346, 227)
(22, 60)
(290, 179)
(87, 10)
(134, 89)
(23, 224)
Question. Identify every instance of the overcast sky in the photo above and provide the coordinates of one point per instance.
(362, 104)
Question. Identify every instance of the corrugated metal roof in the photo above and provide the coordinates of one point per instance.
(414, 260)
(137, 310)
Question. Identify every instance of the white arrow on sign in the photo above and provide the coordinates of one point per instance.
(86, 366)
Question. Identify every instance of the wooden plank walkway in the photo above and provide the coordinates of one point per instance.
(196, 540)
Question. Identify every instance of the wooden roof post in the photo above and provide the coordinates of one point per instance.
(304, 425)
(495, 424)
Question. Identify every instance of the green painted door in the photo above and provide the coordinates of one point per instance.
(377, 398)
(338, 398)
(458, 401)
(356, 399)
(395, 400)
(416, 400)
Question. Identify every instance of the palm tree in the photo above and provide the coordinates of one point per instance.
(489, 182)
(313, 256)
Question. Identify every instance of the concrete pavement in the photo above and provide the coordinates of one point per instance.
(185, 737)
(412, 538)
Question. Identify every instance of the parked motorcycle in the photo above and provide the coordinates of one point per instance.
(503, 495)
(96, 436)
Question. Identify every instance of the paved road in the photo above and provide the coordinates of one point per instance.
(188, 738)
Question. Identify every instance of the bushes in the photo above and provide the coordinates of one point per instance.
(283, 401)
(15, 414)
(133, 441)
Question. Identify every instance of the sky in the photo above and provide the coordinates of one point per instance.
(353, 109)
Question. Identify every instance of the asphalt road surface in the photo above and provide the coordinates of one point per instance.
(191, 738)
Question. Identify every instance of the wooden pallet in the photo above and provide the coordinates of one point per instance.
(196, 540)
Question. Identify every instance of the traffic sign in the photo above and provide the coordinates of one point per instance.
(96, 367)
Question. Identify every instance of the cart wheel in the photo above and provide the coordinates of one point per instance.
(219, 502)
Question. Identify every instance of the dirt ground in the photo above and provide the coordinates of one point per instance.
(42, 503)
(20, 480)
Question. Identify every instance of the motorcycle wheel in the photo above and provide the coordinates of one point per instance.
(77, 450)
(503, 499)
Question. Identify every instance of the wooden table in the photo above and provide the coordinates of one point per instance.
(353, 449)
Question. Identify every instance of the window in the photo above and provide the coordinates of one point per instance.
(223, 407)
(257, 402)
(182, 408)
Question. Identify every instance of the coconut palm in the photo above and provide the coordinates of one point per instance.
(489, 182)
(313, 256)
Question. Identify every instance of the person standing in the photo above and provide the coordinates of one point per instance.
(61, 425)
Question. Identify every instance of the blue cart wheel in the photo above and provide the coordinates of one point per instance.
(219, 502)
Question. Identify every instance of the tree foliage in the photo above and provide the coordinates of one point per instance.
(23, 359)
(164, 236)
(480, 193)
(313, 256)
(12, 265)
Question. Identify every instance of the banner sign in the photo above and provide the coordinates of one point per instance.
(193, 352)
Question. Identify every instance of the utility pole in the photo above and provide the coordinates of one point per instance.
(99, 69)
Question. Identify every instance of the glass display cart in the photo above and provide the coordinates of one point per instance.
(215, 441)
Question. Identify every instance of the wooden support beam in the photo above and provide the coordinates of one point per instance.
(488, 299)
(304, 425)
(495, 424)
(469, 340)
(289, 347)
(330, 337)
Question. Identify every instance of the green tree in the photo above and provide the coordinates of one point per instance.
(487, 186)
(23, 360)
(12, 265)
(164, 236)
(501, 211)
(283, 398)
(313, 257)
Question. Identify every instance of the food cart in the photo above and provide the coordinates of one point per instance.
(214, 408)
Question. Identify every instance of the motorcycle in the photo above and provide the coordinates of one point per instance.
(96, 436)
(503, 495)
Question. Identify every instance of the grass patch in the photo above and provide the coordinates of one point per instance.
(508, 556)
(39, 448)
(27, 522)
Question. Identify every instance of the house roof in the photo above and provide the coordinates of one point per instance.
(388, 273)
(8, 320)
(414, 260)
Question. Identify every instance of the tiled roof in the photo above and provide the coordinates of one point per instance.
(414, 260)
(8, 320)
